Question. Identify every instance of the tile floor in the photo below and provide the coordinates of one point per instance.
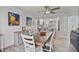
(61, 44)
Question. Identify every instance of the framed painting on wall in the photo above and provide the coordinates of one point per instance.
(28, 21)
(13, 19)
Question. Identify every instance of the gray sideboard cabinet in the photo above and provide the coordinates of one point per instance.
(17, 37)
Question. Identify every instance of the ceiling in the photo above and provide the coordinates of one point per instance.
(35, 11)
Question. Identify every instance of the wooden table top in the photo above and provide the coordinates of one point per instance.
(43, 39)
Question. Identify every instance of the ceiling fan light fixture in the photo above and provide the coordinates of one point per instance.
(47, 12)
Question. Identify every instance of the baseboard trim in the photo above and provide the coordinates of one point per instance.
(7, 47)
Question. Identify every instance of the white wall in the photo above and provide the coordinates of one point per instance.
(9, 30)
(68, 23)
(63, 24)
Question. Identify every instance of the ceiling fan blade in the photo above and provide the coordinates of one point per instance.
(52, 12)
(55, 8)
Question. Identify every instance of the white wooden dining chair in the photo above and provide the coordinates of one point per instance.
(48, 47)
(29, 43)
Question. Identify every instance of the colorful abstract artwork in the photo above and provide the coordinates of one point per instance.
(28, 21)
(13, 19)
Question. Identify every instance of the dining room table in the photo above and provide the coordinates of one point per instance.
(43, 38)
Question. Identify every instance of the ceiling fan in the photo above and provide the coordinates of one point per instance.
(49, 10)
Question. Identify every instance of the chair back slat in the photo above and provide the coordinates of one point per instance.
(29, 42)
